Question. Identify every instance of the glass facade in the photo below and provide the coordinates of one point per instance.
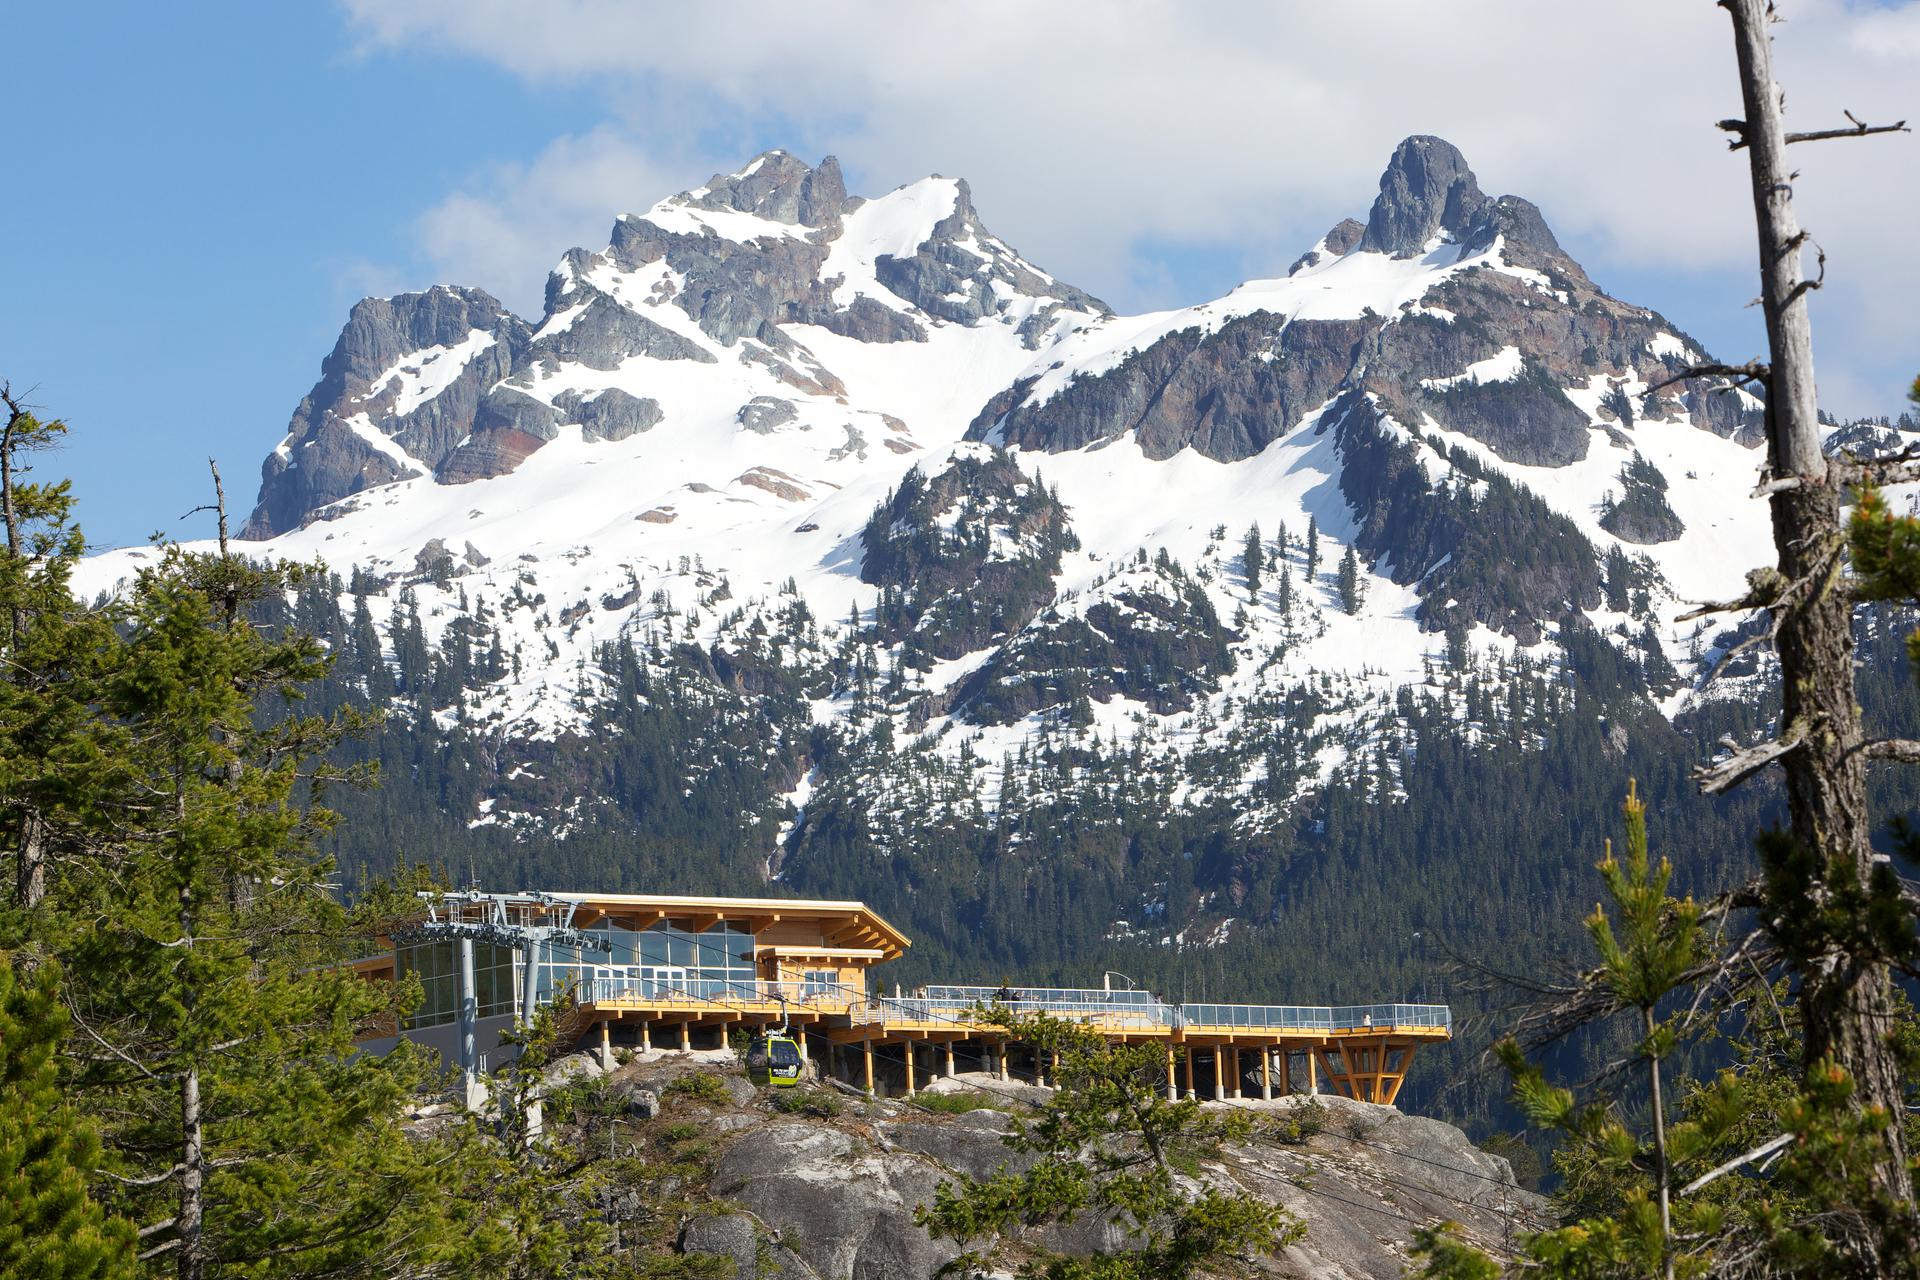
(664, 958)
(438, 966)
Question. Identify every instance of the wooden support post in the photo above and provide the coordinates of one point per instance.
(1406, 1065)
(1266, 1073)
(1237, 1078)
(1219, 1076)
(1173, 1087)
(646, 1036)
(1313, 1073)
(949, 1059)
(1286, 1071)
(866, 1047)
(999, 1059)
(909, 1055)
(686, 1037)
(606, 1046)
(1188, 1056)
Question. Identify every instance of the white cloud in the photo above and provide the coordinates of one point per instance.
(1092, 128)
(507, 228)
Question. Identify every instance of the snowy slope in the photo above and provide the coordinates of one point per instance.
(783, 354)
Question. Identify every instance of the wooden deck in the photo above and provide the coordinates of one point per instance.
(1363, 1052)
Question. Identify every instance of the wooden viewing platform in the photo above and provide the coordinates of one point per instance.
(646, 969)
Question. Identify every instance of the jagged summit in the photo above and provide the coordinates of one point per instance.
(780, 186)
(733, 294)
(743, 377)
(1427, 188)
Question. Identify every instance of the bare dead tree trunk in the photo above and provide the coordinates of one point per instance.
(190, 1218)
(30, 880)
(1845, 998)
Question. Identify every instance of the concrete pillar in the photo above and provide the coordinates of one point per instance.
(529, 980)
(1173, 1088)
(1040, 1067)
(469, 1029)
(866, 1047)
(1266, 1073)
(999, 1060)
(606, 1046)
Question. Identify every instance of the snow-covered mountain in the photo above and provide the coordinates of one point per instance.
(1009, 506)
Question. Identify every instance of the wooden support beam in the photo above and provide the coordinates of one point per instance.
(1189, 1066)
(646, 1035)
(1173, 1087)
(866, 1049)
(1286, 1071)
(686, 1035)
(702, 923)
(1266, 1073)
(907, 1053)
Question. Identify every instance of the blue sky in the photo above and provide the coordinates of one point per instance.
(202, 191)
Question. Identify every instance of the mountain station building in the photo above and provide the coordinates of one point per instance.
(648, 972)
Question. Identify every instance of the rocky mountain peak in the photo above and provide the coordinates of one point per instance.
(780, 186)
(1427, 188)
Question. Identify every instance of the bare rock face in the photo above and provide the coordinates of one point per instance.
(961, 271)
(446, 384)
(1491, 350)
(1427, 188)
(610, 414)
(366, 422)
(836, 1199)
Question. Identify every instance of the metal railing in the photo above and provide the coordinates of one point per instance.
(1010, 995)
(1143, 1015)
(1347, 1017)
(956, 1005)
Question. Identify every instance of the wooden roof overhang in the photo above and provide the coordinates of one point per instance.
(845, 925)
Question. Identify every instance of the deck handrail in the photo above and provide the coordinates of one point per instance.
(953, 1003)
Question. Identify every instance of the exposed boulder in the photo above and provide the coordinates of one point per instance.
(763, 415)
(610, 414)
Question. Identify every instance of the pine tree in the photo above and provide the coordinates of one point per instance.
(1110, 1098)
(1313, 548)
(207, 977)
(53, 649)
(1349, 579)
(50, 1227)
(1252, 560)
